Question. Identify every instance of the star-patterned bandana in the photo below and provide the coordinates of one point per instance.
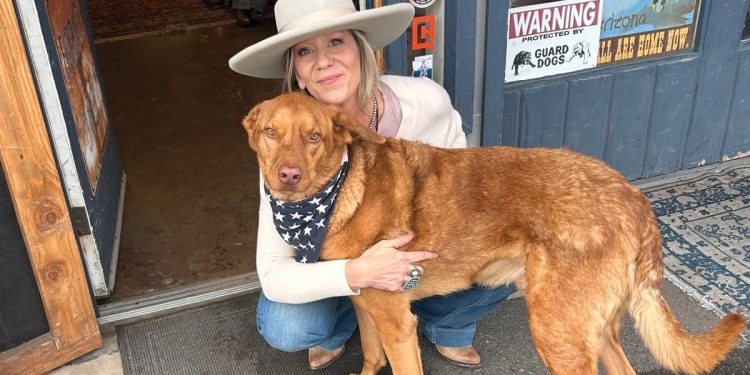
(304, 223)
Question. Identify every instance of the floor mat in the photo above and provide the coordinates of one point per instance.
(705, 226)
(220, 338)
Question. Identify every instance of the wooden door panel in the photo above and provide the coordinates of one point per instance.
(42, 212)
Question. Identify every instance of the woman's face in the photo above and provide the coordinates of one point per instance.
(328, 66)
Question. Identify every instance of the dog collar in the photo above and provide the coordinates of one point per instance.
(303, 224)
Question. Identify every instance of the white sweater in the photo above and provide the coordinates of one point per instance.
(427, 116)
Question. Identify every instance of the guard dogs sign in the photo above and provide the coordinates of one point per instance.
(552, 38)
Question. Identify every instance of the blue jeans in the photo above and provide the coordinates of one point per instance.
(445, 320)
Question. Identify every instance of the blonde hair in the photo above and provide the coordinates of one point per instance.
(369, 70)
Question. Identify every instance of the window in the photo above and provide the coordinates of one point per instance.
(554, 37)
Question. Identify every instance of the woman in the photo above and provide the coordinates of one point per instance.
(325, 48)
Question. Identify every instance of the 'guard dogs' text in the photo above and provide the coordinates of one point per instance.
(551, 56)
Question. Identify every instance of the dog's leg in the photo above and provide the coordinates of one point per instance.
(565, 327)
(396, 326)
(372, 349)
(562, 350)
(613, 358)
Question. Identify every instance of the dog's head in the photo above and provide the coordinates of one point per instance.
(300, 143)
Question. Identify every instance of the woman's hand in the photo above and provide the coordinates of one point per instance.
(383, 266)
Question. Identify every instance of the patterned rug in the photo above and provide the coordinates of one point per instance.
(705, 225)
(118, 18)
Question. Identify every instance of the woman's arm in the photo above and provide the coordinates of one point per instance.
(285, 280)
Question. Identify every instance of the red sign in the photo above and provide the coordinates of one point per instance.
(423, 32)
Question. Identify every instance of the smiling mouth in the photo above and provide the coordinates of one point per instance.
(329, 80)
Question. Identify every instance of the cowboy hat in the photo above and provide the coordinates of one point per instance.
(297, 20)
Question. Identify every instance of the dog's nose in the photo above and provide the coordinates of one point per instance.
(290, 175)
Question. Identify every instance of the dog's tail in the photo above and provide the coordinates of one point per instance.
(672, 345)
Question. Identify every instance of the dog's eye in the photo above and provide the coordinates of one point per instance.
(314, 137)
(270, 132)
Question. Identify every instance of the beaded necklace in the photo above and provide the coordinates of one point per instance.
(374, 119)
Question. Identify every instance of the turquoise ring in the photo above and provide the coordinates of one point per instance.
(413, 278)
(411, 283)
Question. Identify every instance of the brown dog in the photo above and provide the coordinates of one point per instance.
(580, 241)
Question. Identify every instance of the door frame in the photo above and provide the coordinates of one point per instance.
(42, 211)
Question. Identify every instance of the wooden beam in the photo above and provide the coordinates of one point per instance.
(25, 359)
(379, 54)
(42, 212)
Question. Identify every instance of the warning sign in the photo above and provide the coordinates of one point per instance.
(552, 38)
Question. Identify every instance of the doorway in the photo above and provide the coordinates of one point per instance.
(190, 209)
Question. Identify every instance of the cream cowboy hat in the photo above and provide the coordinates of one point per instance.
(297, 20)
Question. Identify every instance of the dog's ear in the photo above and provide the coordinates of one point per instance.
(343, 122)
(250, 122)
(252, 117)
